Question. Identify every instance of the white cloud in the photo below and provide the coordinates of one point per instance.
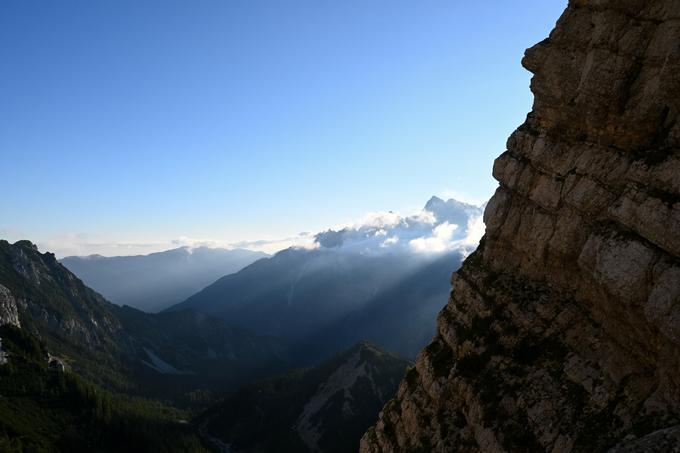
(375, 233)
(441, 240)
(425, 216)
(450, 226)
(380, 220)
(392, 240)
(273, 245)
(86, 244)
(184, 241)
(83, 244)
(475, 231)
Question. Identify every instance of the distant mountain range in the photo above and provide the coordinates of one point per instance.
(120, 347)
(324, 409)
(440, 226)
(78, 373)
(97, 376)
(383, 280)
(73, 366)
(323, 300)
(153, 282)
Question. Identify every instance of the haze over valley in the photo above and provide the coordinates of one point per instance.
(218, 231)
(330, 327)
(319, 299)
(154, 282)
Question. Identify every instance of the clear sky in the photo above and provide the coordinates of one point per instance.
(127, 124)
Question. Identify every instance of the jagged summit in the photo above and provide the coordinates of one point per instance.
(435, 203)
(370, 351)
(452, 210)
(26, 243)
(365, 345)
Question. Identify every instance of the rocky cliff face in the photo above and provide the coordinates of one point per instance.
(9, 313)
(39, 294)
(323, 409)
(161, 355)
(563, 330)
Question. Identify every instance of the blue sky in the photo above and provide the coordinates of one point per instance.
(131, 124)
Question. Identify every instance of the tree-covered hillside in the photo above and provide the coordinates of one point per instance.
(45, 407)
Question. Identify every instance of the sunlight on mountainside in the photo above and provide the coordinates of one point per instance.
(219, 234)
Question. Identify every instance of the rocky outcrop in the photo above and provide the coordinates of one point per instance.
(351, 384)
(49, 300)
(322, 409)
(563, 330)
(120, 347)
(9, 313)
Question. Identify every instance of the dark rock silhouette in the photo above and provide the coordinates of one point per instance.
(563, 330)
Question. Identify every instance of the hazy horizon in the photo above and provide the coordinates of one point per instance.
(425, 237)
(130, 128)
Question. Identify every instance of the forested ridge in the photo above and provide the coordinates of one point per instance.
(44, 407)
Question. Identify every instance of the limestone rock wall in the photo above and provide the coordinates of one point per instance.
(563, 330)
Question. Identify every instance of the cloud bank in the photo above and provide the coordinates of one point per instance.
(441, 226)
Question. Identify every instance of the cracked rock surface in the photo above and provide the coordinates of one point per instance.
(563, 330)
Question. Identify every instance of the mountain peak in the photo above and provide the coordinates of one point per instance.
(327, 407)
(433, 200)
(452, 210)
(365, 346)
(27, 244)
(435, 203)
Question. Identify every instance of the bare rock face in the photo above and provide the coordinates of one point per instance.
(563, 330)
(43, 297)
(9, 313)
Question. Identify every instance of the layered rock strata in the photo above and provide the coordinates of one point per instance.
(563, 329)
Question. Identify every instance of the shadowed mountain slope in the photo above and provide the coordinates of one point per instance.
(323, 409)
(322, 301)
(119, 347)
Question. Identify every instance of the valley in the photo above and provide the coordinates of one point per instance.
(305, 332)
(213, 235)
